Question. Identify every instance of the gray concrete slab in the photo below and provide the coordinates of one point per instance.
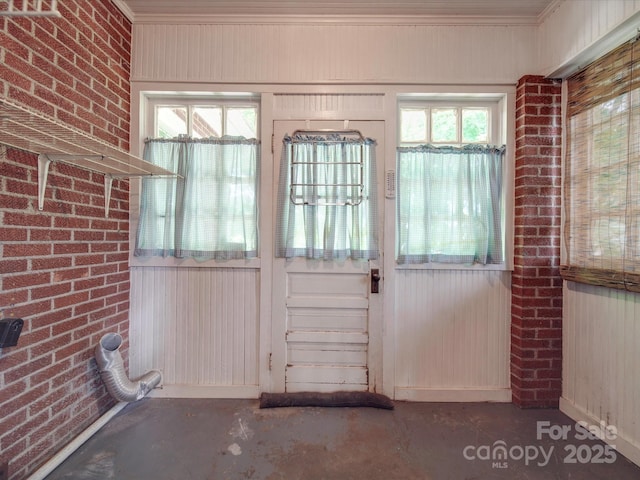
(203, 439)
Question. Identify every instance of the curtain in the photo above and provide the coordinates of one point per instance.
(327, 199)
(210, 210)
(449, 205)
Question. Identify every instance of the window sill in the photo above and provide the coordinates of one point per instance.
(171, 262)
(503, 267)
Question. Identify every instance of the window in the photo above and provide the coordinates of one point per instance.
(450, 185)
(327, 206)
(602, 181)
(210, 209)
(449, 125)
(203, 121)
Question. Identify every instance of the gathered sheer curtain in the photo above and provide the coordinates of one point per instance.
(327, 203)
(210, 211)
(449, 205)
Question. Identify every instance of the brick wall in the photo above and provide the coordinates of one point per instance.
(536, 308)
(64, 270)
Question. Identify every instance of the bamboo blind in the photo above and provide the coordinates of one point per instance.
(602, 177)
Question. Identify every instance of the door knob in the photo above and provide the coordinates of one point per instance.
(375, 280)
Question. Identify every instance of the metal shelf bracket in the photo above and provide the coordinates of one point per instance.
(44, 161)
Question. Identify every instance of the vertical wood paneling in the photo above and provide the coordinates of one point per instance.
(601, 356)
(310, 105)
(199, 326)
(577, 25)
(290, 53)
(452, 329)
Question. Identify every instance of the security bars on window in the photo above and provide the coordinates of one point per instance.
(315, 188)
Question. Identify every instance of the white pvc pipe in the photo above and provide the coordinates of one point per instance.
(55, 461)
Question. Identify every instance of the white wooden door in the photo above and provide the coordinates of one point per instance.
(327, 333)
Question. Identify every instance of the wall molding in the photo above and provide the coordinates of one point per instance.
(206, 391)
(623, 445)
(501, 395)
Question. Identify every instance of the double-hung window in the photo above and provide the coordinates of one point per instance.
(209, 210)
(450, 191)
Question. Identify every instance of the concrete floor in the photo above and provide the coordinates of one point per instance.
(202, 439)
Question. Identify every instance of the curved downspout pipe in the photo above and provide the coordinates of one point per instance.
(113, 375)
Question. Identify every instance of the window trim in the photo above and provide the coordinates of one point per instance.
(494, 121)
(502, 131)
(191, 101)
(149, 101)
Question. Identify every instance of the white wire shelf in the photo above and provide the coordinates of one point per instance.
(53, 141)
(29, 8)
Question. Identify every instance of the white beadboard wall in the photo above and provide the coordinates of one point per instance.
(304, 53)
(453, 335)
(199, 326)
(601, 361)
(570, 35)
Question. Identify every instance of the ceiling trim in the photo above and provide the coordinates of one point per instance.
(550, 10)
(228, 19)
(124, 8)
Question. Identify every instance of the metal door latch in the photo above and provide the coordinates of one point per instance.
(375, 280)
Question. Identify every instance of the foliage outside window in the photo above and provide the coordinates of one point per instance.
(601, 183)
(209, 210)
(450, 192)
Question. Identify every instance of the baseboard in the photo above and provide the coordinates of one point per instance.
(501, 395)
(206, 391)
(624, 445)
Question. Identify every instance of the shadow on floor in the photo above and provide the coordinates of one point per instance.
(205, 439)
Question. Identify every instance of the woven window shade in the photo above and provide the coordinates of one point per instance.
(602, 178)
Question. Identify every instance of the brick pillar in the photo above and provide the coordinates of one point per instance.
(536, 296)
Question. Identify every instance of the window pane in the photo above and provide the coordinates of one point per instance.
(171, 122)
(242, 121)
(444, 125)
(475, 125)
(413, 125)
(207, 122)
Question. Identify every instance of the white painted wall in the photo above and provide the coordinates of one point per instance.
(601, 361)
(459, 318)
(452, 332)
(599, 380)
(601, 327)
(312, 53)
(199, 327)
(579, 31)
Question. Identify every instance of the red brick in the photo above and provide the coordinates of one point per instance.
(70, 274)
(50, 263)
(96, 83)
(69, 324)
(537, 232)
(73, 299)
(12, 266)
(70, 248)
(26, 280)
